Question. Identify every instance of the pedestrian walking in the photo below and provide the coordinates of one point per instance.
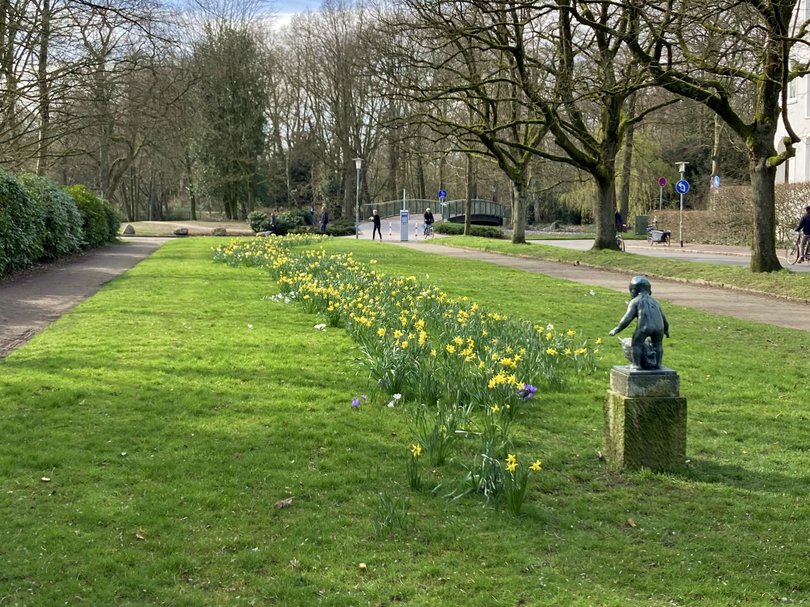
(375, 219)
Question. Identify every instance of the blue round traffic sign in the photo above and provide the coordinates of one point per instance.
(442, 193)
(682, 187)
(716, 182)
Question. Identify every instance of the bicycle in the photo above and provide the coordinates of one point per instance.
(428, 232)
(620, 241)
(794, 255)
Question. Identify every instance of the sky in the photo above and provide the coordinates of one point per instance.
(297, 6)
(286, 9)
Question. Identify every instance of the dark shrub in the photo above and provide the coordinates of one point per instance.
(259, 221)
(286, 221)
(61, 229)
(21, 223)
(456, 229)
(99, 221)
(289, 221)
(113, 221)
(341, 227)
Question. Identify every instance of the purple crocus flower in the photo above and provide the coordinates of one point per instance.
(355, 403)
(527, 392)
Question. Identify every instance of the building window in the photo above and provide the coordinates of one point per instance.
(793, 89)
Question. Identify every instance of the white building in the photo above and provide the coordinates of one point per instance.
(797, 169)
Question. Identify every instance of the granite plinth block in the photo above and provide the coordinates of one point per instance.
(645, 420)
(628, 381)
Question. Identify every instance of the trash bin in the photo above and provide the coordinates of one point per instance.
(641, 224)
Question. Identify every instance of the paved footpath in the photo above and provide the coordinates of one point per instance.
(30, 302)
(738, 304)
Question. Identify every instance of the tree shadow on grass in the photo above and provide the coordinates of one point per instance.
(739, 477)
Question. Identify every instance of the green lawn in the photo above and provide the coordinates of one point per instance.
(172, 410)
(786, 284)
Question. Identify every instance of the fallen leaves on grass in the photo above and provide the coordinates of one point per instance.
(285, 503)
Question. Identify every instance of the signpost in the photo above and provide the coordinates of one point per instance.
(682, 187)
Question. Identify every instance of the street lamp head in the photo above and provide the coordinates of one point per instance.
(358, 162)
(681, 166)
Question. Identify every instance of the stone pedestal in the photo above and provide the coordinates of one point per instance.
(645, 419)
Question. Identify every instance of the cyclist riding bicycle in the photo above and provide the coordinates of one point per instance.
(428, 222)
(804, 228)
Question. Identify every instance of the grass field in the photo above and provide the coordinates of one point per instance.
(148, 434)
(784, 284)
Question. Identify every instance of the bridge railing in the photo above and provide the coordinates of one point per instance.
(479, 206)
(390, 208)
(451, 208)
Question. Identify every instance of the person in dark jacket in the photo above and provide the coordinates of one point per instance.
(804, 229)
(324, 219)
(428, 221)
(375, 219)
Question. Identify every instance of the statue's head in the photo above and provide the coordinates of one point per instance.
(639, 284)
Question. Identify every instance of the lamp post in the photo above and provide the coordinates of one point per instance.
(358, 162)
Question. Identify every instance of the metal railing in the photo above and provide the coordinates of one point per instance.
(448, 209)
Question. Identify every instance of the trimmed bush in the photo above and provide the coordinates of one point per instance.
(290, 221)
(286, 222)
(21, 223)
(61, 229)
(341, 227)
(100, 222)
(259, 221)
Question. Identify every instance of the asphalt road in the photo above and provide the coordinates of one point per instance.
(725, 255)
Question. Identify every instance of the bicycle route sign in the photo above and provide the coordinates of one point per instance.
(442, 194)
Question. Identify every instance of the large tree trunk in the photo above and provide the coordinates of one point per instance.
(763, 243)
(192, 189)
(627, 164)
(421, 187)
(469, 195)
(718, 131)
(519, 206)
(44, 89)
(393, 167)
(604, 213)
(519, 214)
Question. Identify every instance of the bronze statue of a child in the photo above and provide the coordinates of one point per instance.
(647, 347)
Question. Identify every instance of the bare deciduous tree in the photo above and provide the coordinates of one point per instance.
(704, 52)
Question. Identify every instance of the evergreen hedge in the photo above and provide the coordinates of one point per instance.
(21, 225)
(41, 221)
(456, 229)
(60, 231)
(100, 222)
